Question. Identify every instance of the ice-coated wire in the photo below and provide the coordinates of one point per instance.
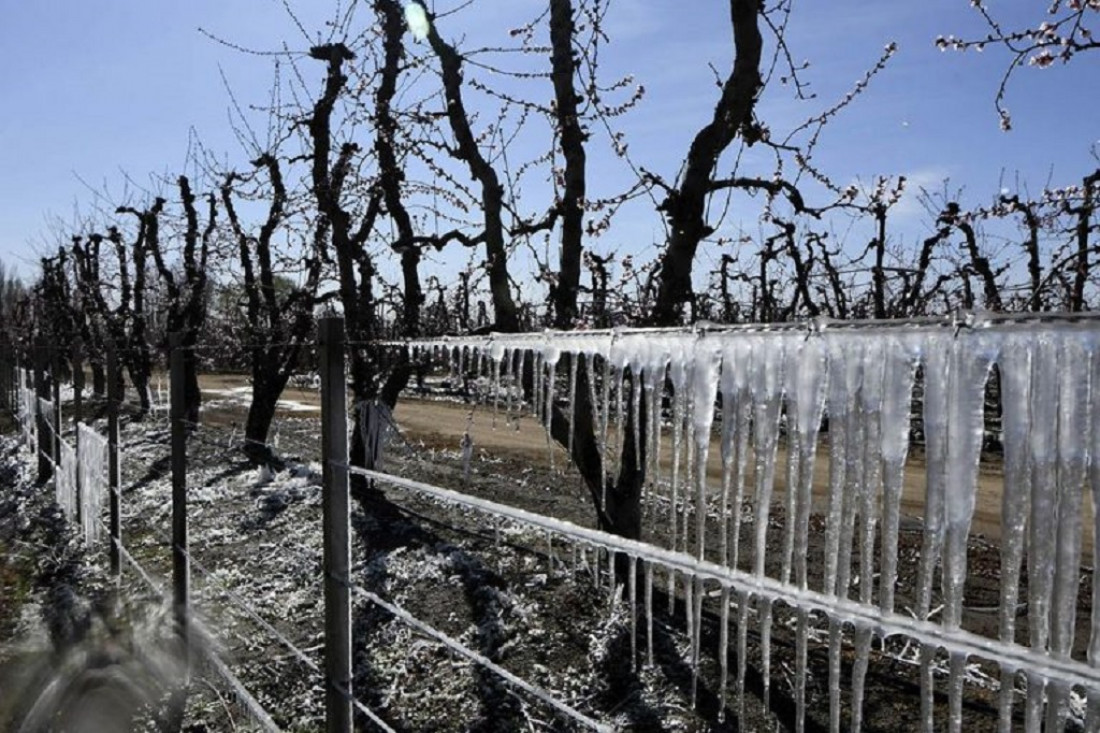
(769, 589)
(255, 709)
(470, 654)
(243, 605)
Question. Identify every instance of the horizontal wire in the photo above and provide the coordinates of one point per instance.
(295, 650)
(480, 659)
(301, 655)
(258, 712)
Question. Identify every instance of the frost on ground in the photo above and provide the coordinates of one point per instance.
(255, 547)
(540, 609)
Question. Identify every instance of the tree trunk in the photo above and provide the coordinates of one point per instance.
(267, 387)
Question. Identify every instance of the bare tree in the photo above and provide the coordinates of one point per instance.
(278, 324)
(186, 287)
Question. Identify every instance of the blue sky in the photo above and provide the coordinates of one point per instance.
(94, 91)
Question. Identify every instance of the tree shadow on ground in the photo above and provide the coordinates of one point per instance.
(383, 528)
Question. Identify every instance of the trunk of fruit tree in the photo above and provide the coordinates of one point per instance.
(572, 138)
(1084, 221)
(187, 297)
(685, 206)
(278, 325)
(267, 386)
(492, 192)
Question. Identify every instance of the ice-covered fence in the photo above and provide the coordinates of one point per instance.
(763, 387)
(81, 479)
(27, 404)
(65, 486)
(93, 467)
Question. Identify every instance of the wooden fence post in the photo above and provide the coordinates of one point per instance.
(337, 526)
(181, 571)
(114, 481)
(41, 392)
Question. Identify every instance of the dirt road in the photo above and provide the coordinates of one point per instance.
(441, 424)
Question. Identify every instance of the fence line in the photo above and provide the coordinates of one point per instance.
(758, 383)
(86, 472)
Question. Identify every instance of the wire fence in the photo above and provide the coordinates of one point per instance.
(728, 425)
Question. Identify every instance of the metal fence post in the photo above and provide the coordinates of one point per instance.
(114, 481)
(181, 572)
(337, 526)
(41, 392)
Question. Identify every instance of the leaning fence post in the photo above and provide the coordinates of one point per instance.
(113, 469)
(337, 527)
(181, 577)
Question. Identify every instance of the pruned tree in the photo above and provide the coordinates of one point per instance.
(186, 287)
(278, 324)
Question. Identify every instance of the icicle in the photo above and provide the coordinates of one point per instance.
(729, 410)
(536, 396)
(1033, 707)
(611, 584)
(467, 447)
(955, 692)
(521, 359)
(743, 601)
(853, 469)
(552, 357)
(654, 392)
(723, 652)
(573, 359)
(633, 584)
(678, 375)
(636, 411)
(597, 421)
(1015, 384)
(966, 428)
(705, 383)
(897, 394)
(765, 612)
(871, 410)
(620, 413)
(508, 384)
(1092, 721)
(938, 351)
(859, 674)
(789, 494)
(1044, 492)
(649, 612)
(605, 416)
(767, 399)
(767, 386)
(836, 639)
(696, 611)
(689, 606)
(741, 459)
(495, 389)
(676, 370)
(801, 634)
(688, 504)
(1073, 440)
